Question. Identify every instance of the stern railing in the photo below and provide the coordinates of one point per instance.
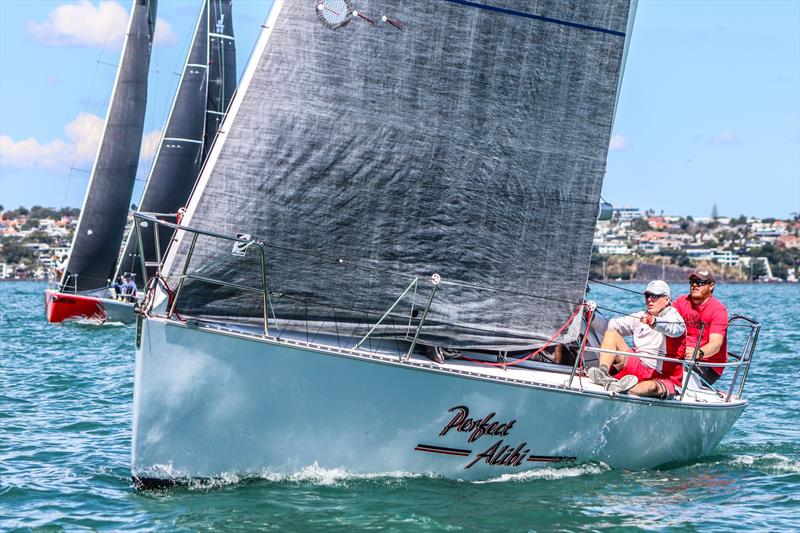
(740, 366)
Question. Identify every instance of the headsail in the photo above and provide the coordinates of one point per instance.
(207, 84)
(455, 137)
(95, 247)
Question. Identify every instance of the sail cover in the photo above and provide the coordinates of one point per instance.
(376, 140)
(207, 84)
(105, 207)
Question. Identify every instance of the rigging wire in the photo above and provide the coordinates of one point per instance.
(616, 286)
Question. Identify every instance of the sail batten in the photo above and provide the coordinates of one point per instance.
(472, 143)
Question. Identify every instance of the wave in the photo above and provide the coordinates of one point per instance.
(315, 475)
(770, 463)
(310, 475)
(95, 322)
(550, 473)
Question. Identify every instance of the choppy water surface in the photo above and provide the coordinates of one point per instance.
(65, 424)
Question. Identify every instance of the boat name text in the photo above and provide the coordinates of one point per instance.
(478, 426)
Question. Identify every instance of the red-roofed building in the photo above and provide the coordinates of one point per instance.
(657, 222)
(788, 241)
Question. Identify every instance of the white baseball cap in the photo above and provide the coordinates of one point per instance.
(658, 286)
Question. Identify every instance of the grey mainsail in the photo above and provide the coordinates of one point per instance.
(95, 247)
(207, 84)
(378, 140)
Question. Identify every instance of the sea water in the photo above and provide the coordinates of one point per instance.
(65, 425)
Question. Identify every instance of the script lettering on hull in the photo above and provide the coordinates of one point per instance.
(499, 453)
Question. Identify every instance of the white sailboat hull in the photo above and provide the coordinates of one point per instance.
(209, 402)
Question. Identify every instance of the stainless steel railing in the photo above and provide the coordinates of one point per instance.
(740, 365)
(145, 221)
(150, 220)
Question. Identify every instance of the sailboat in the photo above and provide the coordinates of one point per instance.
(207, 83)
(395, 220)
(81, 290)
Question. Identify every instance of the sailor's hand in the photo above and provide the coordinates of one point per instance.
(648, 319)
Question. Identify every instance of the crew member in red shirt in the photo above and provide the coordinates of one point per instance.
(700, 306)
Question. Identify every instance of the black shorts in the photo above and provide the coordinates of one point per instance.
(707, 373)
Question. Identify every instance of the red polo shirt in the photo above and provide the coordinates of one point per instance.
(715, 317)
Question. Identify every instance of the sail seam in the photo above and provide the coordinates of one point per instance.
(541, 18)
(221, 35)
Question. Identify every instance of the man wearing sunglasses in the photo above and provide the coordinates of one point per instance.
(700, 306)
(659, 330)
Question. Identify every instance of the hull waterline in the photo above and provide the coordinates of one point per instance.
(210, 402)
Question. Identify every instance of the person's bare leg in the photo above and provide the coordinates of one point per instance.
(558, 354)
(649, 388)
(612, 340)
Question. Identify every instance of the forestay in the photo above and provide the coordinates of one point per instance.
(410, 138)
(95, 247)
(206, 86)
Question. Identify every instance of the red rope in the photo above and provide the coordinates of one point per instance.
(151, 285)
(534, 353)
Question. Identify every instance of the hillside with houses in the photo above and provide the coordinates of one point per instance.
(633, 245)
(33, 240)
(642, 245)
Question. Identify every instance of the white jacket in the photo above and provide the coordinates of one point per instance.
(647, 339)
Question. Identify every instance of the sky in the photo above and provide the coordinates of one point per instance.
(708, 114)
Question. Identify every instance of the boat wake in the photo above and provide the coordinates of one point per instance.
(772, 463)
(316, 475)
(550, 473)
(308, 475)
(95, 322)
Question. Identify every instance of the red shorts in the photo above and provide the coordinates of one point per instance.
(635, 367)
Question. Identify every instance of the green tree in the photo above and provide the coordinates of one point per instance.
(40, 212)
(640, 224)
(40, 237)
(69, 212)
(14, 252)
(30, 224)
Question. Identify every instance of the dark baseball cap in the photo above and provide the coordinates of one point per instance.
(703, 274)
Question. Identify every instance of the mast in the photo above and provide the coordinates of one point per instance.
(105, 207)
(368, 147)
(207, 83)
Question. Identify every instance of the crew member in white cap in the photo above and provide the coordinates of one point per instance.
(659, 330)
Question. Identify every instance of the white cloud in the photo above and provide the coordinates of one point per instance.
(724, 137)
(84, 24)
(84, 134)
(31, 153)
(83, 137)
(164, 34)
(619, 142)
(150, 143)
